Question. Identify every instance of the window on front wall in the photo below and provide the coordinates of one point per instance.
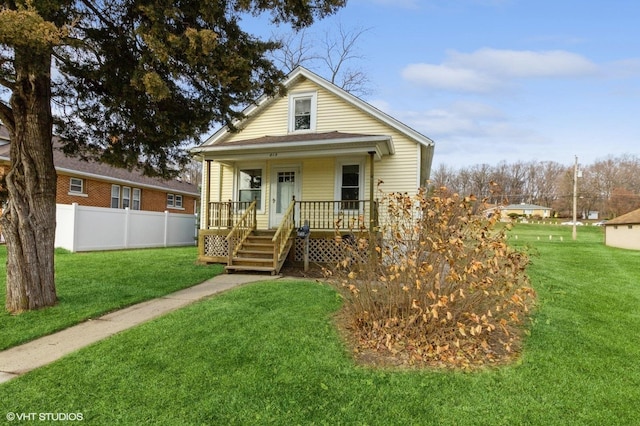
(250, 186)
(115, 196)
(126, 197)
(121, 197)
(135, 203)
(174, 201)
(302, 112)
(350, 186)
(76, 185)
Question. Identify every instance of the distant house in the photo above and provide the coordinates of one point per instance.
(623, 231)
(311, 155)
(100, 185)
(523, 210)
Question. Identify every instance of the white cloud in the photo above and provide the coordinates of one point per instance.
(524, 63)
(488, 69)
(449, 78)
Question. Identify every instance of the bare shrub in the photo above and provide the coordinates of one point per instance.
(436, 285)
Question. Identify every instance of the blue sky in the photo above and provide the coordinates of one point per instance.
(512, 80)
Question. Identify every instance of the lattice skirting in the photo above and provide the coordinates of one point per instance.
(215, 245)
(321, 250)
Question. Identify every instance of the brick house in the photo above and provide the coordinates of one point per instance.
(100, 185)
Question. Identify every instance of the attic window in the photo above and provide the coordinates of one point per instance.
(302, 112)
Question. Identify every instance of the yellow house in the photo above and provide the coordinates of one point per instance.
(311, 156)
(524, 210)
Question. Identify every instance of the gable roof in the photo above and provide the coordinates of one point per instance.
(91, 169)
(630, 218)
(525, 206)
(215, 141)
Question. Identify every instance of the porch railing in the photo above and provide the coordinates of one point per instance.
(225, 214)
(283, 233)
(322, 215)
(343, 215)
(245, 225)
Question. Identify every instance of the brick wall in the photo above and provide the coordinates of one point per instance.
(98, 194)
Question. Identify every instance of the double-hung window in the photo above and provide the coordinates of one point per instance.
(135, 203)
(115, 196)
(76, 186)
(302, 112)
(250, 186)
(174, 201)
(123, 197)
(349, 184)
(126, 197)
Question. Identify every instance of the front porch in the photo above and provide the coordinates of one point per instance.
(231, 234)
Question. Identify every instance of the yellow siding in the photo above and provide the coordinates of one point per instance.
(318, 179)
(399, 171)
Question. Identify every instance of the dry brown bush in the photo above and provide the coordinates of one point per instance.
(438, 285)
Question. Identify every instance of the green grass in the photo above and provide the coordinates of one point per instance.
(268, 353)
(91, 284)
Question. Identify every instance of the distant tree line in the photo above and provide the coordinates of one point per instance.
(610, 186)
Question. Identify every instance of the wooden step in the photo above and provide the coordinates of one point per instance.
(250, 268)
(255, 254)
(246, 252)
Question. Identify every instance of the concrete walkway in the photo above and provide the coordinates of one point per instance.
(24, 358)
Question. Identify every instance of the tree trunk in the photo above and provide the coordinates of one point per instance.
(29, 219)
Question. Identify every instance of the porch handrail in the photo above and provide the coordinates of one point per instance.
(345, 214)
(241, 230)
(283, 233)
(224, 214)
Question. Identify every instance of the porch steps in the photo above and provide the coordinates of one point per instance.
(256, 254)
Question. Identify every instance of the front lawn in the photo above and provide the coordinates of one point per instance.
(268, 353)
(91, 284)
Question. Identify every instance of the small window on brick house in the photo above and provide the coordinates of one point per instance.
(115, 196)
(76, 186)
(135, 202)
(174, 201)
(126, 197)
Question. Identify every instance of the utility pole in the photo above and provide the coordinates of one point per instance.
(575, 197)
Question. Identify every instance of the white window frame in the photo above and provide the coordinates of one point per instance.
(118, 197)
(175, 201)
(125, 200)
(72, 184)
(263, 192)
(338, 179)
(293, 97)
(136, 199)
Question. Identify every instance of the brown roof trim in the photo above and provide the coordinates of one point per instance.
(294, 138)
(630, 218)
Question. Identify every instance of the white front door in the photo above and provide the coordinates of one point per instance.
(284, 186)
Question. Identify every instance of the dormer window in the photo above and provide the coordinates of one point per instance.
(302, 112)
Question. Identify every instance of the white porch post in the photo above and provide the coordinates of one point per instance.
(371, 206)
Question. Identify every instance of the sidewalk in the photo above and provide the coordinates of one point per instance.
(29, 356)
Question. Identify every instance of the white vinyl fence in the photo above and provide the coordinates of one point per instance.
(81, 228)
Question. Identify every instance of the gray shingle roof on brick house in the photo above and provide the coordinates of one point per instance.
(104, 171)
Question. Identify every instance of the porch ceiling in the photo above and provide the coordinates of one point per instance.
(307, 145)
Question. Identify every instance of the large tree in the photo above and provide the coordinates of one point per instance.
(131, 82)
